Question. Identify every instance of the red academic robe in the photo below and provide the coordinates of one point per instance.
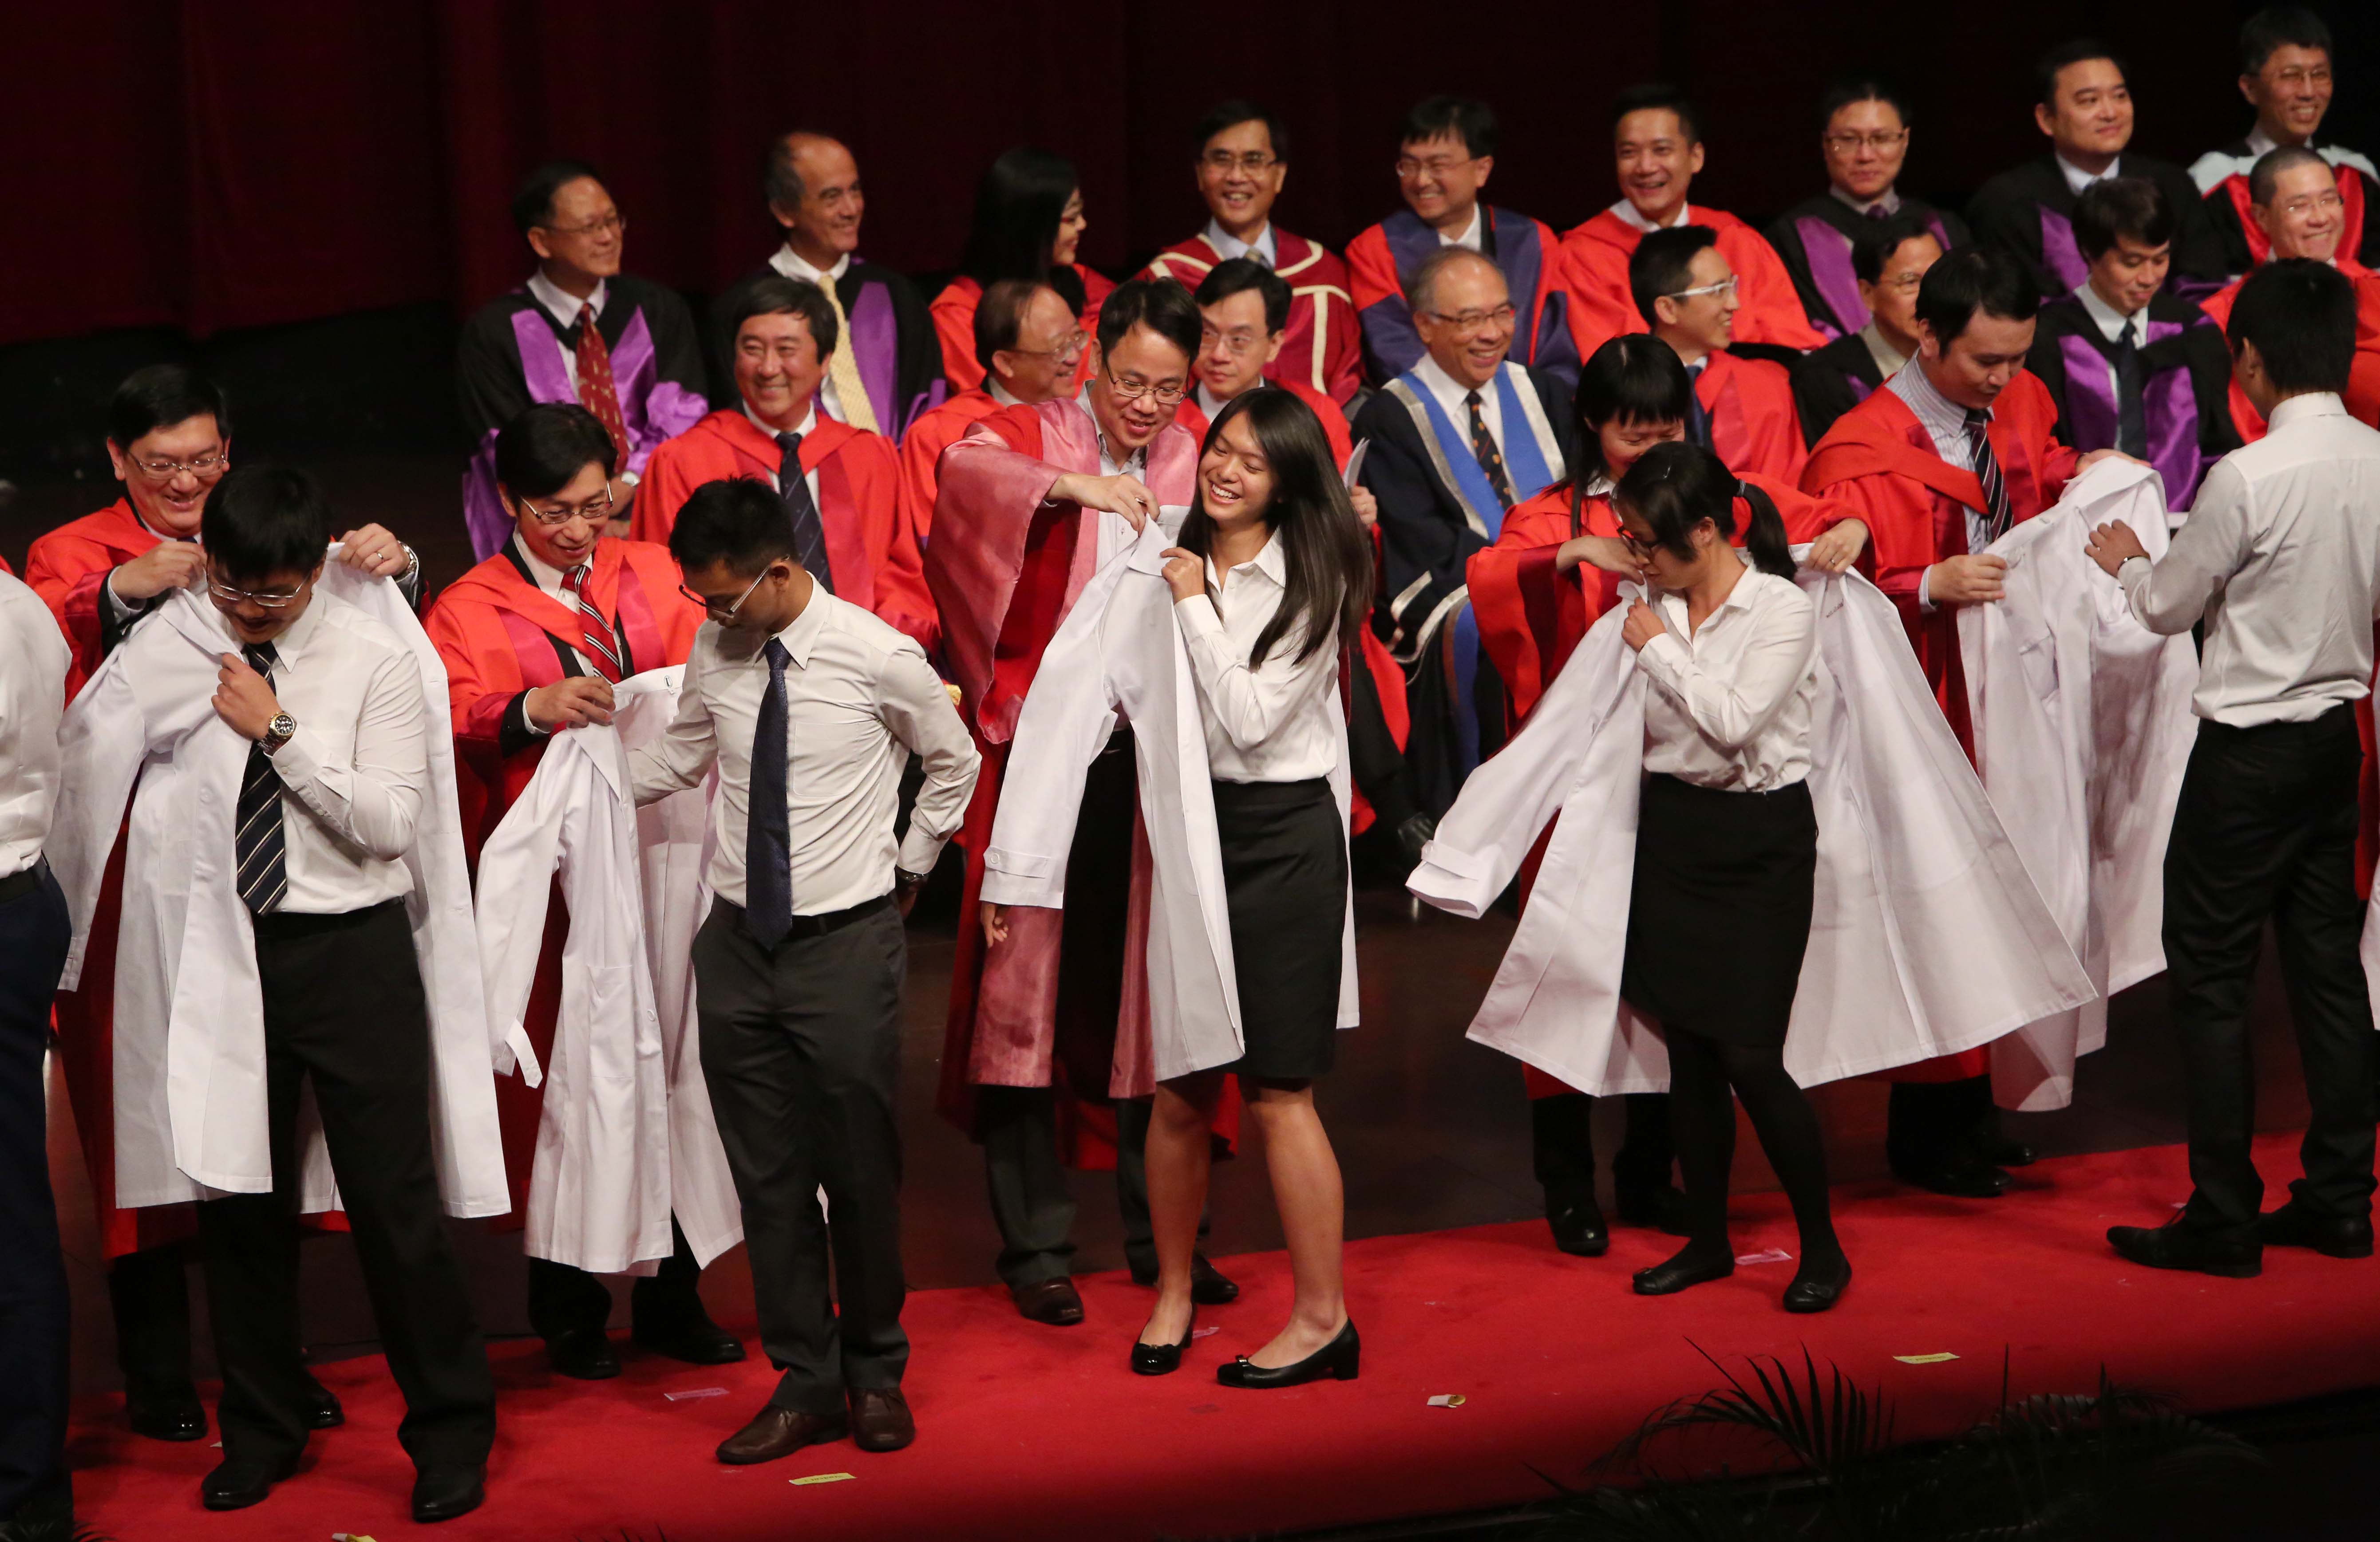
(66, 569)
(922, 451)
(1755, 425)
(1595, 271)
(953, 313)
(497, 632)
(1323, 345)
(870, 547)
(1880, 460)
(2363, 376)
(1334, 421)
(1005, 572)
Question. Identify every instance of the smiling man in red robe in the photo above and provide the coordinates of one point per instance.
(1741, 409)
(1029, 343)
(841, 485)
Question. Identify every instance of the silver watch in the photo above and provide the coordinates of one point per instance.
(279, 732)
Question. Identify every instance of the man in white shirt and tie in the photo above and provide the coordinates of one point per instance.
(2281, 558)
(809, 707)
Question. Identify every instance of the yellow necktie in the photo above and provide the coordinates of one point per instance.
(843, 368)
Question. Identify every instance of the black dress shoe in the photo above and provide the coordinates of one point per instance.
(695, 1340)
(1209, 1285)
(1995, 1149)
(1054, 1303)
(2178, 1245)
(238, 1483)
(2335, 1236)
(1339, 1359)
(1163, 1359)
(1817, 1288)
(323, 1410)
(443, 1493)
(1967, 1179)
(1579, 1231)
(583, 1354)
(1684, 1270)
(1663, 1209)
(166, 1418)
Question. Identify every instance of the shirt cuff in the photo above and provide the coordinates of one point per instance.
(1926, 590)
(298, 763)
(117, 607)
(1198, 617)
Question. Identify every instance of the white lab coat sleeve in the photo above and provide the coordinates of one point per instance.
(516, 867)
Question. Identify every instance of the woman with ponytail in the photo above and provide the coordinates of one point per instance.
(1726, 846)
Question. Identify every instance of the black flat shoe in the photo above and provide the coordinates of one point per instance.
(1579, 1231)
(322, 1409)
(1999, 1150)
(443, 1493)
(238, 1483)
(1815, 1291)
(1339, 1359)
(1163, 1359)
(2333, 1236)
(1685, 1269)
(167, 1419)
(2179, 1245)
(583, 1354)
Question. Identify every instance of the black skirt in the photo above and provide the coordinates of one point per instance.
(1285, 886)
(1719, 916)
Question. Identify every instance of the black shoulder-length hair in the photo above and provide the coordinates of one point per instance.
(1017, 206)
(1676, 487)
(1328, 563)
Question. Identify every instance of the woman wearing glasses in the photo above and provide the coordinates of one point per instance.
(1029, 222)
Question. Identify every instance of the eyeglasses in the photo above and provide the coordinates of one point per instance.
(1879, 141)
(1221, 162)
(2327, 201)
(1724, 287)
(1133, 390)
(609, 224)
(1437, 165)
(1070, 348)
(205, 467)
(1237, 343)
(226, 597)
(711, 607)
(1472, 320)
(2303, 75)
(1901, 284)
(594, 514)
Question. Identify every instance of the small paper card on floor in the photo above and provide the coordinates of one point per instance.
(697, 1392)
(1933, 1359)
(1202, 1332)
(819, 1477)
(1447, 1399)
(1766, 1255)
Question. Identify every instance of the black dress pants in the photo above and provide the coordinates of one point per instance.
(34, 933)
(343, 1006)
(801, 1045)
(2265, 827)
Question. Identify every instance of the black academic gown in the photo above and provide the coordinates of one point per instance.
(494, 381)
(1814, 238)
(2029, 213)
(900, 358)
(1831, 380)
(2185, 377)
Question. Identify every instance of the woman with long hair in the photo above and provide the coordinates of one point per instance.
(1727, 846)
(1271, 578)
(1029, 224)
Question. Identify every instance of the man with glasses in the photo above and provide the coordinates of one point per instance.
(169, 440)
(1457, 441)
(1888, 262)
(2285, 73)
(533, 640)
(1243, 159)
(841, 485)
(578, 331)
(1446, 149)
(1029, 343)
(1656, 148)
(1244, 310)
(1863, 134)
(1045, 1057)
(1741, 409)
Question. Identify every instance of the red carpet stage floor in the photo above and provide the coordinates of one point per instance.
(1035, 1432)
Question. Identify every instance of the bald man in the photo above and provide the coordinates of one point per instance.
(889, 370)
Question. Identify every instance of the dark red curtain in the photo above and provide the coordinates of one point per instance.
(210, 165)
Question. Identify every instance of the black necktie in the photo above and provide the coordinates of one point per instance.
(1997, 516)
(1697, 419)
(809, 535)
(263, 875)
(2132, 407)
(768, 849)
(1491, 459)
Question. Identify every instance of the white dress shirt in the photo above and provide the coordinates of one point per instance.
(2281, 554)
(1117, 533)
(564, 307)
(792, 264)
(1229, 245)
(1731, 707)
(1888, 200)
(1451, 396)
(1946, 424)
(860, 698)
(1469, 235)
(808, 426)
(2111, 323)
(2076, 179)
(33, 700)
(547, 578)
(1888, 359)
(1279, 721)
(1635, 221)
(354, 776)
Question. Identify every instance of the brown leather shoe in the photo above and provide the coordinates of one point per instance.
(880, 1419)
(1054, 1302)
(776, 1432)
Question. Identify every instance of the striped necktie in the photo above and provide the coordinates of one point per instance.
(596, 639)
(1490, 457)
(597, 391)
(263, 871)
(842, 365)
(801, 512)
(1999, 516)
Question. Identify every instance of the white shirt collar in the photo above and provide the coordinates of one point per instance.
(2111, 321)
(1635, 221)
(1209, 404)
(1468, 237)
(2258, 145)
(792, 264)
(542, 573)
(564, 307)
(1940, 415)
(1449, 391)
(1000, 392)
(1269, 561)
(2076, 179)
(1229, 245)
(807, 424)
(2314, 404)
(1888, 200)
(291, 644)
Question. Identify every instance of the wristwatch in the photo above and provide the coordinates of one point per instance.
(279, 732)
(908, 879)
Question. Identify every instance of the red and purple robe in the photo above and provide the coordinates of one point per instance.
(1595, 270)
(953, 311)
(1321, 347)
(2185, 376)
(1814, 240)
(1382, 257)
(2029, 213)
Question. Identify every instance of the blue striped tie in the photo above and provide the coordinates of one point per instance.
(809, 534)
(263, 874)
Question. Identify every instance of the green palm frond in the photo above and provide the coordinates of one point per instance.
(1824, 1426)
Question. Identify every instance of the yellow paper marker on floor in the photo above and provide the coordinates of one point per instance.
(349, 1536)
(1447, 1399)
(819, 1477)
(1925, 1359)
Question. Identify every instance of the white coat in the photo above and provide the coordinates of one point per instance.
(1120, 650)
(2083, 728)
(191, 1105)
(624, 1090)
(1927, 937)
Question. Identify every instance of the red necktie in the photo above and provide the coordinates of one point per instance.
(595, 637)
(596, 391)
